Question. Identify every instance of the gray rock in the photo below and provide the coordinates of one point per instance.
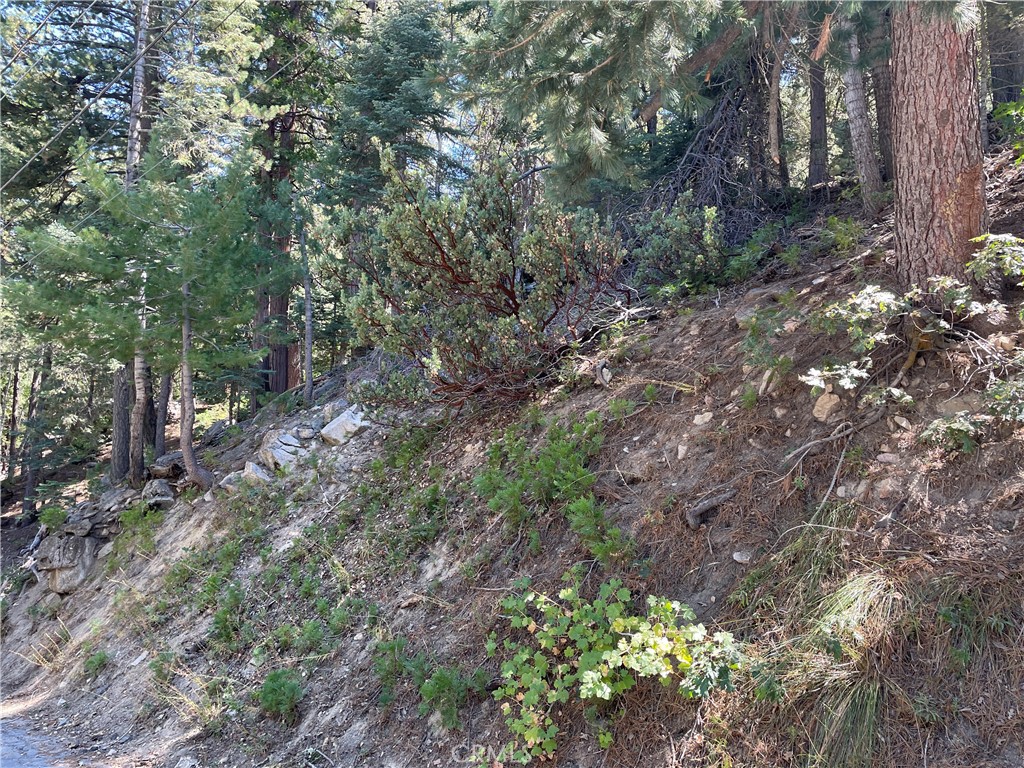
(344, 427)
(742, 556)
(66, 560)
(305, 433)
(116, 499)
(255, 474)
(276, 453)
(215, 433)
(231, 481)
(158, 493)
(333, 409)
(169, 466)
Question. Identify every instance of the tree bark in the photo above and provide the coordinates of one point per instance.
(35, 434)
(12, 423)
(307, 348)
(872, 191)
(160, 438)
(775, 127)
(195, 473)
(120, 429)
(881, 86)
(136, 443)
(817, 171)
(940, 183)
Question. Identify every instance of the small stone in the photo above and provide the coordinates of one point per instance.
(826, 406)
(841, 492)
(158, 494)
(902, 422)
(887, 458)
(305, 433)
(703, 418)
(681, 451)
(779, 411)
(1006, 343)
(105, 550)
(742, 556)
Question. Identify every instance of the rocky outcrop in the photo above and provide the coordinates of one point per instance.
(158, 494)
(344, 427)
(65, 560)
(170, 466)
(281, 449)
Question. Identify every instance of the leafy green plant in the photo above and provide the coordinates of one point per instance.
(95, 663)
(961, 432)
(679, 252)
(280, 694)
(572, 648)
(620, 409)
(53, 517)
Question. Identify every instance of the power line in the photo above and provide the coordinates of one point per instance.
(123, 191)
(35, 64)
(114, 123)
(28, 39)
(100, 95)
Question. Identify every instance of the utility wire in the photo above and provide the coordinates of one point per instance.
(253, 88)
(100, 95)
(35, 64)
(28, 39)
(113, 123)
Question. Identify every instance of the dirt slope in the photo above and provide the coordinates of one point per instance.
(874, 579)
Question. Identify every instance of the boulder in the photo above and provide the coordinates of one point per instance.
(344, 427)
(305, 432)
(333, 409)
(826, 406)
(158, 493)
(169, 466)
(215, 433)
(117, 499)
(279, 449)
(255, 474)
(65, 560)
(231, 481)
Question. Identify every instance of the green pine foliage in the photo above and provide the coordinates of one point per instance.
(477, 290)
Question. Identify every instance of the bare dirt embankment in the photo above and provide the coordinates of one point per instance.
(870, 562)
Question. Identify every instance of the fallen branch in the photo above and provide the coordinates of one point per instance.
(696, 515)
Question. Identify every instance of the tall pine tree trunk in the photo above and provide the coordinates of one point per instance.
(940, 184)
(163, 401)
(35, 435)
(12, 423)
(817, 171)
(881, 86)
(307, 347)
(872, 191)
(194, 471)
(120, 430)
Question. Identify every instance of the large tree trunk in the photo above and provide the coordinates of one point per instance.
(817, 171)
(940, 184)
(194, 471)
(12, 423)
(872, 191)
(160, 438)
(35, 434)
(881, 85)
(307, 347)
(120, 431)
(775, 127)
(136, 444)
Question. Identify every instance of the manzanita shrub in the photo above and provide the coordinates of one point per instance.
(570, 648)
(480, 290)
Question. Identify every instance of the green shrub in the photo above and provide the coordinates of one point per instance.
(679, 252)
(446, 691)
(571, 648)
(95, 663)
(53, 517)
(281, 693)
(446, 286)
